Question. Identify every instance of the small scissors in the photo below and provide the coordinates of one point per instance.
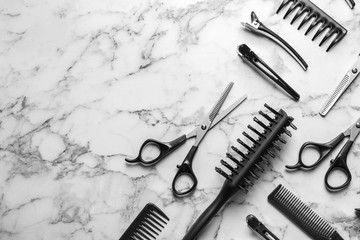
(165, 148)
(339, 163)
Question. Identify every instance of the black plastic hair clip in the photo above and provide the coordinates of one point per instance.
(259, 28)
(249, 56)
(260, 228)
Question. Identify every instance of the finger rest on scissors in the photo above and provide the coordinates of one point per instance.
(185, 180)
(340, 187)
(164, 149)
(308, 164)
(339, 164)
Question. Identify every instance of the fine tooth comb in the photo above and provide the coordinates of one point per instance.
(147, 225)
(317, 16)
(240, 174)
(306, 218)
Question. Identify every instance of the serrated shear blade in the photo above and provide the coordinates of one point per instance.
(340, 89)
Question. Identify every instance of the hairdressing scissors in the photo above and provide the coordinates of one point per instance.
(338, 163)
(165, 148)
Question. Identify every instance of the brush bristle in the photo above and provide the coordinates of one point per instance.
(249, 162)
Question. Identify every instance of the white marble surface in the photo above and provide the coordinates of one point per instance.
(84, 83)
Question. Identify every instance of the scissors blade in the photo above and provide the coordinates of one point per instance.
(227, 111)
(354, 130)
(340, 89)
(206, 123)
(215, 110)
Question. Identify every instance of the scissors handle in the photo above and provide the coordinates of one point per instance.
(185, 170)
(164, 148)
(339, 163)
(322, 148)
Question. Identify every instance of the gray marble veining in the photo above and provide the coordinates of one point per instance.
(84, 83)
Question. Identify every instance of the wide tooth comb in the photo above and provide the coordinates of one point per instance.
(299, 13)
(147, 225)
(318, 17)
(321, 29)
(241, 176)
(292, 8)
(303, 216)
(314, 24)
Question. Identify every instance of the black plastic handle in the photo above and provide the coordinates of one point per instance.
(185, 169)
(339, 163)
(322, 148)
(165, 148)
(246, 53)
(226, 193)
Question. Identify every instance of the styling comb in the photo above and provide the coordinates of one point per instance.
(147, 225)
(317, 17)
(244, 167)
(303, 216)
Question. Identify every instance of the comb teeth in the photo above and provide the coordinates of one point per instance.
(147, 225)
(302, 215)
(242, 175)
(317, 17)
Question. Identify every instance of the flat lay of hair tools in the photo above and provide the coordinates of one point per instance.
(259, 28)
(303, 216)
(260, 228)
(147, 225)
(336, 164)
(239, 177)
(318, 17)
(185, 169)
(350, 76)
(249, 56)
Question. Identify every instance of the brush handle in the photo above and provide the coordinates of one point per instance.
(226, 192)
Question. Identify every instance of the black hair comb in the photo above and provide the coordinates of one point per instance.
(240, 176)
(147, 225)
(317, 16)
(308, 220)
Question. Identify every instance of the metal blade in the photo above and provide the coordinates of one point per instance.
(354, 130)
(206, 123)
(227, 111)
(214, 111)
(340, 89)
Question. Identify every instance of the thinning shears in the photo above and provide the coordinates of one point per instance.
(338, 163)
(165, 148)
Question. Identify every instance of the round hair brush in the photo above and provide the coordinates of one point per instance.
(241, 173)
